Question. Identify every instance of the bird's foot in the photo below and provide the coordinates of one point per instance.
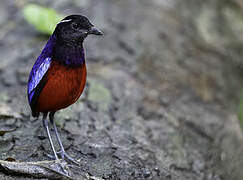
(63, 167)
(64, 156)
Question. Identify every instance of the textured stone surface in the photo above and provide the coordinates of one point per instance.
(168, 74)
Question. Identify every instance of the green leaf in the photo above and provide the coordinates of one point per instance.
(43, 19)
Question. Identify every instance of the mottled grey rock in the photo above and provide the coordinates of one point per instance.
(161, 92)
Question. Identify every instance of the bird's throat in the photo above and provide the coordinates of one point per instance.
(70, 54)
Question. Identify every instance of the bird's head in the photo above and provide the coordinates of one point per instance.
(74, 29)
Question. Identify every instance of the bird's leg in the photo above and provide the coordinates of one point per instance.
(62, 151)
(45, 124)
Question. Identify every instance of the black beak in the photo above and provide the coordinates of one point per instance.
(95, 31)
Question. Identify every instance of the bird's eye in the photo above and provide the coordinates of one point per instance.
(75, 26)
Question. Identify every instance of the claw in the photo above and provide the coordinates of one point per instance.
(69, 158)
(63, 164)
(64, 156)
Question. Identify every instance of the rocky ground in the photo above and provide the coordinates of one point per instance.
(161, 96)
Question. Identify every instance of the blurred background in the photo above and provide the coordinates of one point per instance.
(164, 91)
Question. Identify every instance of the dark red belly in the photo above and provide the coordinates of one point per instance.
(63, 87)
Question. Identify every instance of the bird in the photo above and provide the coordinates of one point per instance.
(58, 76)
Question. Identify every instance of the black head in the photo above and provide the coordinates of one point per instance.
(75, 28)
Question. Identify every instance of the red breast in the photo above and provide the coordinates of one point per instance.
(63, 87)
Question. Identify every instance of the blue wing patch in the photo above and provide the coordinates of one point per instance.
(36, 76)
(40, 67)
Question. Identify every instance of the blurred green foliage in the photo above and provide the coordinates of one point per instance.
(43, 19)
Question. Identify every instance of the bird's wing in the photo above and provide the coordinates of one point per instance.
(36, 75)
(36, 79)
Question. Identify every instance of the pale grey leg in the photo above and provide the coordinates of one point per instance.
(45, 124)
(62, 151)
